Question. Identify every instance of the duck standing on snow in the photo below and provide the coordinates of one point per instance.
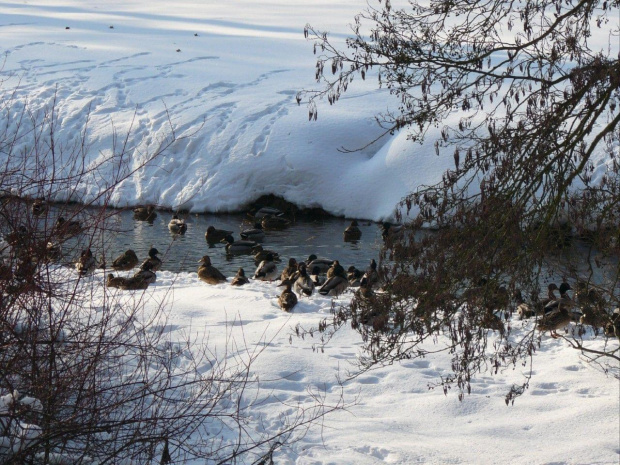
(303, 284)
(335, 285)
(86, 264)
(315, 276)
(353, 232)
(554, 320)
(126, 261)
(290, 272)
(154, 260)
(208, 273)
(322, 263)
(267, 269)
(287, 299)
(240, 278)
(372, 275)
(177, 225)
(213, 235)
(146, 273)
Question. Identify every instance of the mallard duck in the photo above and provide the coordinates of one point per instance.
(126, 261)
(177, 225)
(260, 254)
(322, 263)
(371, 274)
(145, 213)
(208, 273)
(240, 278)
(86, 264)
(612, 329)
(38, 207)
(259, 213)
(238, 247)
(146, 273)
(353, 232)
(391, 231)
(336, 270)
(303, 284)
(315, 276)
(275, 222)
(68, 228)
(153, 260)
(267, 269)
(354, 276)
(133, 284)
(554, 320)
(213, 235)
(113, 281)
(287, 299)
(564, 299)
(255, 234)
(334, 286)
(290, 272)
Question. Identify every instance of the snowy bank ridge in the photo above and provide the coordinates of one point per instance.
(226, 87)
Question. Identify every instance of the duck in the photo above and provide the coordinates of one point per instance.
(177, 225)
(255, 234)
(127, 284)
(371, 274)
(208, 273)
(352, 232)
(38, 207)
(555, 320)
(113, 281)
(290, 272)
(68, 228)
(240, 278)
(390, 231)
(334, 286)
(258, 213)
(612, 329)
(260, 254)
(86, 264)
(323, 263)
(336, 270)
(146, 273)
(126, 261)
(592, 306)
(287, 299)
(275, 222)
(303, 284)
(144, 213)
(213, 235)
(315, 276)
(238, 247)
(267, 269)
(53, 251)
(154, 260)
(354, 276)
(564, 299)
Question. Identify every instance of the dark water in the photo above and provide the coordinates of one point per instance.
(322, 237)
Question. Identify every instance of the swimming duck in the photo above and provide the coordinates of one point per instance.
(267, 269)
(144, 213)
(238, 247)
(153, 260)
(146, 273)
(290, 272)
(334, 286)
(240, 278)
(68, 228)
(275, 222)
(336, 270)
(255, 234)
(303, 284)
(260, 254)
(126, 261)
(287, 299)
(208, 273)
(86, 264)
(213, 235)
(353, 232)
(261, 212)
(177, 225)
(323, 263)
(315, 276)
(38, 207)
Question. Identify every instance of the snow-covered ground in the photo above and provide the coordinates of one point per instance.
(225, 74)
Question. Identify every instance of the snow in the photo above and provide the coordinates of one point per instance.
(229, 92)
